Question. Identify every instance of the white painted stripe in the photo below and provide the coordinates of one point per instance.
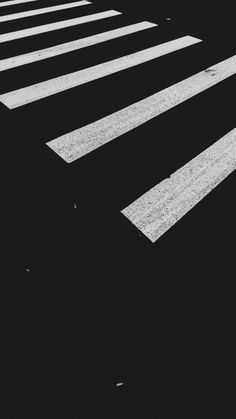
(78, 143)
(44, 10)
(13, 2)
(72, 46)
(50, 87)
(10, 36)
(160, 208)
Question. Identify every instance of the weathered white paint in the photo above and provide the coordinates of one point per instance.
(43, 54)
(13, 2)
(161, 207)
(79, 142)
(50, 87)
(36, 30)
(35, 12)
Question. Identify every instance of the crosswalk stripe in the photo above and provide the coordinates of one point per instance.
(43, 54)
(41, 90)
(10, 36)
(82, 141)
(160, 208)
(44, 10)
(13, 2)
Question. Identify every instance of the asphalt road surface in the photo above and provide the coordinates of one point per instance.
(104, 322)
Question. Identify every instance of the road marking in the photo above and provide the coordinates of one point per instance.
(13, 2)
(161, 207)
(10, 36)
(84, 140)
(50, 87)
(35, 12)
(43, 54)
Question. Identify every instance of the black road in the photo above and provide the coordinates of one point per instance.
(89, 301)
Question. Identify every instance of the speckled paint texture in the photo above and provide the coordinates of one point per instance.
(78, 143)
(35, 12)
(36, 30)
(38, 91)
(43, 54)
(161, 207)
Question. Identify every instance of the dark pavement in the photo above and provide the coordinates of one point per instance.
(89, 301)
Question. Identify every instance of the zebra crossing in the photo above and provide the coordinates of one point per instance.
(41, 90)
(86, 139)
(56, 26)
(45, 53)
(158, 209)
(21, 15)
(161, 207)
